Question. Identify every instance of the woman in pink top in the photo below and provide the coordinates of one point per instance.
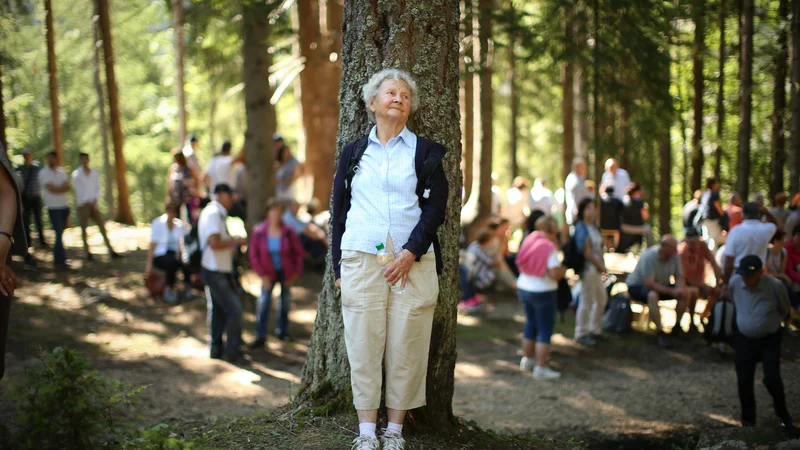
(537, 287)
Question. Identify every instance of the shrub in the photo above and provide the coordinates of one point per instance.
(67, 405)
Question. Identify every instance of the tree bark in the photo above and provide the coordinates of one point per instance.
(778, 160)
(420, 36)
(567, 102)
(794, 153)
(723, 14)
(177, 19)
(258, 136)
(486, 107)
(468, 115)
(698, 16)
(320, 47)
(513, 132)
(108, 170)
(745, 97)
(665, 157)
(3, 139)
(124, 214)
(52, 68)
(580, 89)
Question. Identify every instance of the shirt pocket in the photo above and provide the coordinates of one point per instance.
(352, 270)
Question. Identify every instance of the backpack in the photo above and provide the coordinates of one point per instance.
(618, 317)
(573, 258)
(721, 325)
(192, 253)
(564, 298)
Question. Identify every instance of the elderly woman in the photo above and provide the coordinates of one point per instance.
(12, 240)
(395, 193)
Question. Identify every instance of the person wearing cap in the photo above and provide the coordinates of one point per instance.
(224, 307)
(55, 185)
(31, 195)
(12, 240)
(762, 304)
(751, 237)
(87, 192)
(615, 176)
(651, 282)
(694, 257)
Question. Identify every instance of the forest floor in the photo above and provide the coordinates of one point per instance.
(625, 393)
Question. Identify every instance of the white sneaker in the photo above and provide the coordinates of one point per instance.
(392, 441)
(545, 373)
(365, 443)
(526, 364)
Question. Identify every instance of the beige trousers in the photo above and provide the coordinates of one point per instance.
(382, 328)
(592, 307)
(86, 212)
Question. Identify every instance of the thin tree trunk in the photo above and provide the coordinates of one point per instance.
(513, 132)
(745, 97)
(794, 152)
(377, 36)
(177, 19)
(108, 170)
(598, 154)
(627, 136)
(698, 16)
(665, 159)
(58, 140)
(320, 46)
(486, 107)
(684, 140)
(567, 102)
(124, 214)
(468, 114)
(723, 14)
(258, 136)
(778, 160)
(581, 89)
(3, 139)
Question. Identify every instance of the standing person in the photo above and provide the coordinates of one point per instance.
(575, 189)
(779, 210)
(540, 202)
(761, 305)
(792, 265)
(537, 288)
(589, 317)
(166, 236)
(220, 168)
(651, 282)
(635, 215)
(276, 255)
(190, 153)
(224, 307)
(87, 192)
(386, 203)
(611, 209)
(289, 169)
(240, 189)
(694, 257)
(734, 212)
(517, 200)
(31, 196)
(55, 186)
(616, 176)
(776, 266)
(710, 213)
(750, 238)
(183, 187)
(12, 240)
(690, 210)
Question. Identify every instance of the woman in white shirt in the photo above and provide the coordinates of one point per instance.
(166, 240)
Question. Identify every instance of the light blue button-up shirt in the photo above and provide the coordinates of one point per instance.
(383, 196)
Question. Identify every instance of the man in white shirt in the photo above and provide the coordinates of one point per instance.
(617, 177)
(55, 185)
(751, 237)
(87, 192)
(575, 189)
(224, 307)
(220, 168)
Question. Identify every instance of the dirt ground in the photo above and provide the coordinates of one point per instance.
(626, 388)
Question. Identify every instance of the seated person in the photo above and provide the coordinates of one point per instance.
(313, 238)
(651, 282)
(505, 269)
(694, 256)
(635, 214)
(480, 262)
(792, 267)
(610, 215)
(165, 252)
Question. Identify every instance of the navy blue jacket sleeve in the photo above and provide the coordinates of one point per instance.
(338, 205)
(433, 215)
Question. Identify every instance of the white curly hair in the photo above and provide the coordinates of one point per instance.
(371, 88)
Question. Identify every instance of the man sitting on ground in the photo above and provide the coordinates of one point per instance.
(694, 256)
(651, 282)
(750, 238)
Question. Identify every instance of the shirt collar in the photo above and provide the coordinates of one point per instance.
(409, 138)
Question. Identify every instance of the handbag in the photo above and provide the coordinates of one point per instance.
(155, 282)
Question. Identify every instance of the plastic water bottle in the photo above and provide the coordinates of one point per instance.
(386, 258)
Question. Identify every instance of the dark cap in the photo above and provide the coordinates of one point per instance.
(223, 188)
(277, 137)
(692, 234)
(191, 138)
(749, 265)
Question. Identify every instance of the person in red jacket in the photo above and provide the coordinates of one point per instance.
(793, 269)
(276, 255)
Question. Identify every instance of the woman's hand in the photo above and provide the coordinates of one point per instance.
(266, 281)
(8, 282)
(398, 270)
(339, 283)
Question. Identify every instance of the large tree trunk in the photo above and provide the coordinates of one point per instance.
(487, 107)
(177, 20)
(108, 170)
(513, 132)
(320, 46)
(58, 140)
(124, 214)
(778, 160)
(698, 16)
(745, 97)
(377, 35)
(723, 14)
(258, 136)
(468, 114)
(567, 102)
(3, 139)
(794, 152)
